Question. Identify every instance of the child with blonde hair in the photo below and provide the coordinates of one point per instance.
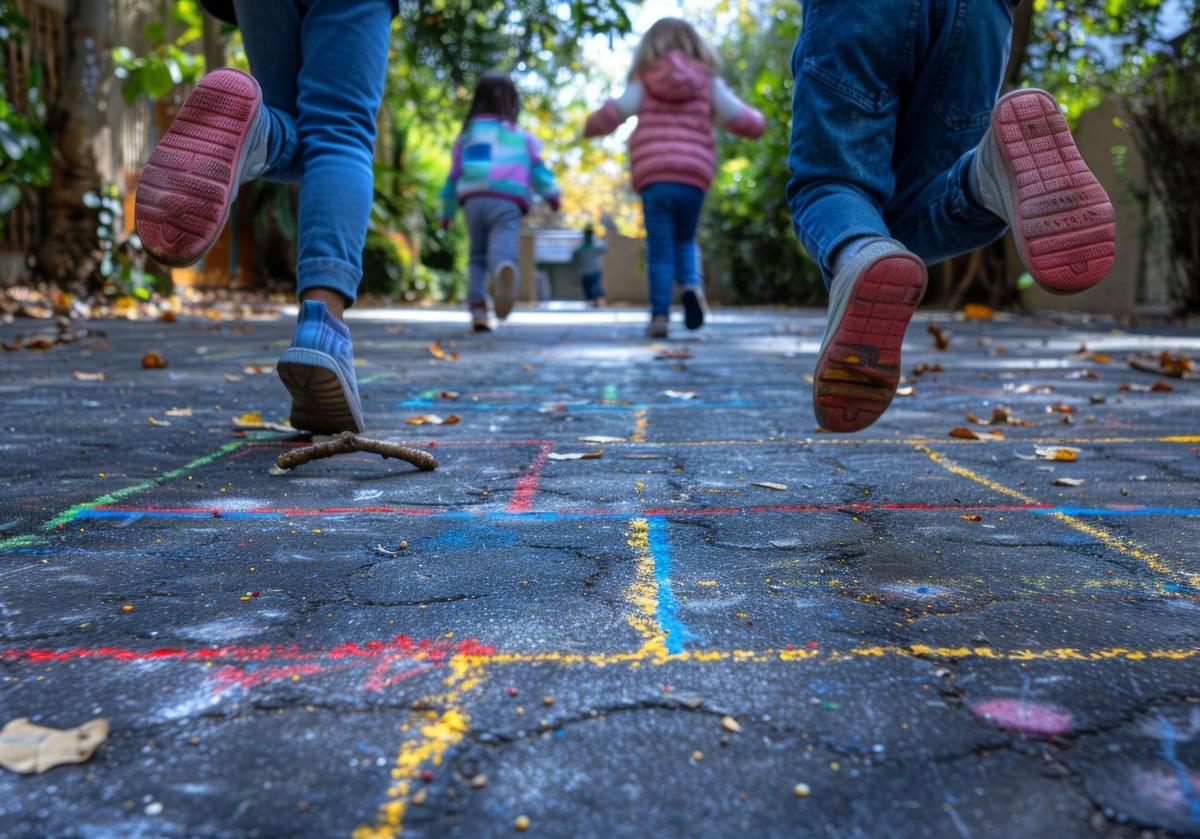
(496, 168)
(676, 91)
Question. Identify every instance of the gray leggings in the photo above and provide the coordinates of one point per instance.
(494, 228)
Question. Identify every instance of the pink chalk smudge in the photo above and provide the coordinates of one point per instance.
(1024, 717)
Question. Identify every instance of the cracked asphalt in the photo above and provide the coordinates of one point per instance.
(725, 622)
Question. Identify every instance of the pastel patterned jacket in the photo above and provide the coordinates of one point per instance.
(496, 158)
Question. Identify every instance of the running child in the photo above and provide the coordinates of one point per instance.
(306, 116)
(901, 157)
(588, 260)
(676, 91)
(496, 168)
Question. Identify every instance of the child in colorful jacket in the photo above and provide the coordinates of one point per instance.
(496, 169)
(677, 93)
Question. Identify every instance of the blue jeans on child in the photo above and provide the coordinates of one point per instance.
(494, 230)
(891, 97)
(592, 289)
(672, 213)
(322, 65)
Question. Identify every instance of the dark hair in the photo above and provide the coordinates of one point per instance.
(496, 94)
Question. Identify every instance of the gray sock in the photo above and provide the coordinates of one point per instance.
(985, 175)
(258, 146)
(873, 245)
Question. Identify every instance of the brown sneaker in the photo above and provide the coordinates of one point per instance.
(658, 327)
(480, 321)
(505, 292)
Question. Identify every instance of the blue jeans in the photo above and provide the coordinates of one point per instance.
(494, 229)
(322, 65)
(592, 290)
(672, 212)
(891, 97)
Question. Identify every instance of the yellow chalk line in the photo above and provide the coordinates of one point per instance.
(642, 593)
(438, 732)
(818, 655)
(640, 422)
(1122, 546)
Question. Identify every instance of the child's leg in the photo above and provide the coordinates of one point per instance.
(658, 209)
(689, 203)
(503, 244)
(477, 237)
(340, 87)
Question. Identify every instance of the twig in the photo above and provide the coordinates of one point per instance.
(347, 442)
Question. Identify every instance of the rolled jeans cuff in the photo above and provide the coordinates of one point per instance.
(331, 273)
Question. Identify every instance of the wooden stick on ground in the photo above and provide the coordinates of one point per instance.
(347, 442)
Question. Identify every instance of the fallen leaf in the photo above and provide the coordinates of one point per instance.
(905, 390)
(1067, 482)
(153, 360)
(1164, 364)
(258, 369)
(924, 367)
(940, 339)
(1059, 407)
(971, 517)
(229, 377)
(1066, 454)
(254, 420)
(1161, 386)
(395, 328)
(770, 485)
(668, 354)
(435, 349)
(433, 419)
(680, 394)
(1022, 389)
(730, 724)
(978, 311)
(178, 412)
(964, 433)
(600, 438)
(32, 749)
(81, 376)
(448, 394)
(592, 455)
(1100, 358)
(154, 421)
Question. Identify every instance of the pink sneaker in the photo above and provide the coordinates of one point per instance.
(216, 142)
(871, 301)
(1031, 174)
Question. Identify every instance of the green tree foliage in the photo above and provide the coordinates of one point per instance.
(24, 145)
(748, 229)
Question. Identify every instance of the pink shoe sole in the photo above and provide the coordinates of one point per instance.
(859, 369)
(191, 178)
(1063, 221)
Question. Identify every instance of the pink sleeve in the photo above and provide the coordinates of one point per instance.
(748, 123)
(603, 121)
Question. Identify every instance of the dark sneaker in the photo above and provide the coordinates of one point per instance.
(318, 370)
(658, 327)
(695, 307)
(217, 141)
(506, 290)
(1031, 174)
(480, 321)
(872, 299)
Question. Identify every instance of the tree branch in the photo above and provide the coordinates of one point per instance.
(347, 442)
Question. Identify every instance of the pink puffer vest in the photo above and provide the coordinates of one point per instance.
(673, 141)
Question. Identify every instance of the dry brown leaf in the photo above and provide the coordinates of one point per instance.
(923, 368)
(1100, 358)
(1059, 408)
(32, 749)
(680, 353)
(1066, 454)
(229, 377)
(592, 455)
(1067, 482)
(971, 517)
(433, 419)
(153, 360)
(154, 421)
(82, 376)
(964, 433)
(1161, 386)
(435, 349)
(253, 420)
(258, 369)
(448, 394)
(940, 339)
(978, 311)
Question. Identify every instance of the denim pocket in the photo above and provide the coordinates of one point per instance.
(972, 62)
(857, 49)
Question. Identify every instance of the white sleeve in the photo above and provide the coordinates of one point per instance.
(726, 106)
(629, 102)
